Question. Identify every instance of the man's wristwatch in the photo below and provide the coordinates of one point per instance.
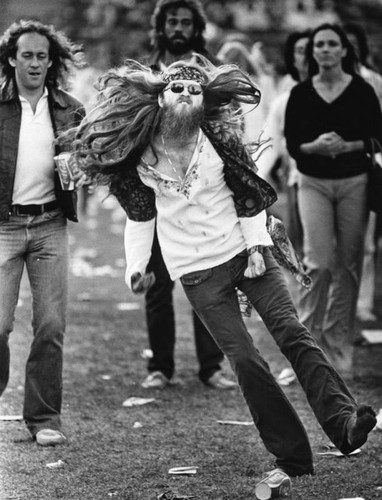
(256, 248)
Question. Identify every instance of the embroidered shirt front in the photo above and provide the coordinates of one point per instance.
(197, 224)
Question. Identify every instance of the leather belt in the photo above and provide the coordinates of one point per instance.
(33, 209)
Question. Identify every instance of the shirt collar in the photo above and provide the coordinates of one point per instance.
(44, 96)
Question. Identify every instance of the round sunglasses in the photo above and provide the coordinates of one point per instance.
(177, 88)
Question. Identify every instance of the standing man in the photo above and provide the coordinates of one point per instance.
(171, 151)
(178, 27)
(33, 211)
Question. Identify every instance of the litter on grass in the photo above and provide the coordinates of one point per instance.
(133, 401)
(55, 465)
(234, 422)
(183, 470)
(137, 425)
(11, 418)
(286, 377)
(333, 452)
(147, 354)
(372, 336)
(128, 306)
(170, 495)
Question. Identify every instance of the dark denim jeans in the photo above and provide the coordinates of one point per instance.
(41, 243)
(212, 294)
(161, 325)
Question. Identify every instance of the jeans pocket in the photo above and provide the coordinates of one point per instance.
(53, 214)
(196, 277)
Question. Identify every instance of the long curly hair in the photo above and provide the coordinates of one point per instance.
(128, 117)
(62, 52)
(158, 19)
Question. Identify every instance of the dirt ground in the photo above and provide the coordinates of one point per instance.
(119, 452)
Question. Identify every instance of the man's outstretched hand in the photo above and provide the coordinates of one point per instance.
(141, 283)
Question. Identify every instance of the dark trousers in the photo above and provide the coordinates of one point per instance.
(161, 325)
(212, 294)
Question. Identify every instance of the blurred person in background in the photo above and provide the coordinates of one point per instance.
(178, 28)
(330, 119)
(236, 49)
(82, 86)
(177, 32)
(365, 305)
(34, 209)
(277, 157)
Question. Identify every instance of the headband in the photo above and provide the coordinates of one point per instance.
(185, 73)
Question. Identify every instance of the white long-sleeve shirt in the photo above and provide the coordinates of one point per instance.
(197, 224)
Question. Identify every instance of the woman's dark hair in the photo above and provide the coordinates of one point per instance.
(158, 20)
(348, 62)
(359, 33)
(290, 43)
(61, 50)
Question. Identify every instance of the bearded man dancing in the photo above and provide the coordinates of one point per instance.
(168, 145)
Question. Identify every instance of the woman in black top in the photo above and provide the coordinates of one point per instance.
(330, 119)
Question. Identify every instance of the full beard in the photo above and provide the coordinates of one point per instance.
(179, 46)
(180, 125)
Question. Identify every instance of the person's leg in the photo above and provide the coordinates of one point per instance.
(208, 353)
(213, 296)
(317, 212)
(326, 391)
(47, 266)
(365, 304)
(351, 216)
(12, 247)
(160, 315)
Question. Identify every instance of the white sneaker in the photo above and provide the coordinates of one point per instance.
(155, 380)
(219, 381)
(50, 437)
(286, 377)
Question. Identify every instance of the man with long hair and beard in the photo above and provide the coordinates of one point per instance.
(202, 191)
(35, 60)
(177, 32)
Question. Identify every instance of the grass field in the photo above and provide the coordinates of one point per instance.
(117, 452)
